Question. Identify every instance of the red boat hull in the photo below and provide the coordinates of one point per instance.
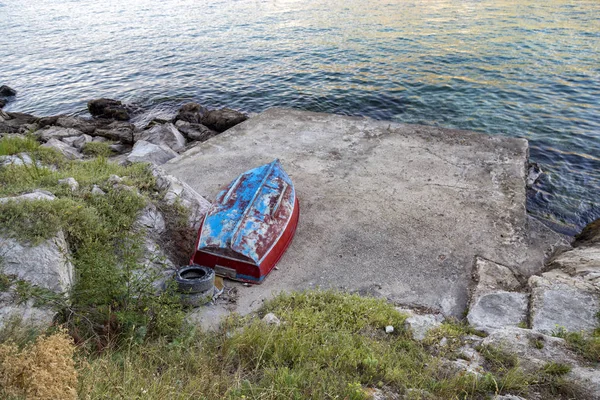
(245, 271)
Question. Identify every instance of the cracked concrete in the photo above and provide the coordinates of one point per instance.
(399, 211)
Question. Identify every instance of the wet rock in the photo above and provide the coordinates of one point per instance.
(223, 119)
(533, 173)
(45, 265)
(589, 235)
(7, 91)
(271, 319)
(177, 191)
(117, 131)
(57, 132)
(148, 152)
(71, 182)
(108, 108)
(68, 151)
(561, 301)
(191, 112)
(494, 303)
(166, 134)
(197, 132)
(16, 122)
(420, 324)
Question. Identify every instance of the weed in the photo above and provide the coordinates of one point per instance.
(97, 149)
(556, 369)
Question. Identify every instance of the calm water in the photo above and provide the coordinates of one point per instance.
(517, 68)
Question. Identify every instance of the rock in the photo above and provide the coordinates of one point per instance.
(45, 265)
(115, 179)
(389, 329)
(151, 219)
(35, 195)
(68, 151)
(28, 313)
(223, 119)
(2, 103)
(71, 182)
(561, 301)
(533, 173)
(16, 160)
(197, 132)
(147, 152)
(498, 310)
(79, 143)
(508, 397)
(81, 124)
(271, 319)
(100, 139)
(177, 191)
(16, 122)
(57, 132)
(582, 262)
(120, 148)
(97, 191)
(589, 235)
(7, 91)
(164, 134)
(493, 303)
(587, 381)
(117, 131)
(419, 325)
(108, 108)
(191, 112)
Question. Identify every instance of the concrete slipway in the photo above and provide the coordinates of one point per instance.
(386, 209)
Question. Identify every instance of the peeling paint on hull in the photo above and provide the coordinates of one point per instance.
(250, 225)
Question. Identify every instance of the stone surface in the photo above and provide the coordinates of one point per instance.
(68, 151)
(71, 182)
(97, 191)
(582, 262)
(222, 119)
(196, 132)
(28, 313)
(57, 132)
(498, 310)
(45, 265)
(108, 108)
(147, 152)
(403, 208)
(491, 277)
(420, 324)
(35, 195)
(191, 112)
(80, 142)
(117, 131)
(560, 301)
(81, 124)
(151, 219)
(589, 235)
(3, 102)
(166, 134)
(16, 160)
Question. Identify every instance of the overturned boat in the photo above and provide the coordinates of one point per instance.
(250, 225)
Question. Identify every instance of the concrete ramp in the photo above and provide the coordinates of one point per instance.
(386, 209)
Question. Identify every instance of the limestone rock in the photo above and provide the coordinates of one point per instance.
(197, 132)
(491, 277)
(84, 125)
(16, 160)
(587, 380)
(498, 310)
(582, 262)
(178, 191)
(108, 108)
(420, 324)
(558, 300)
(68, 151)
(37, 194)
(191, 112)
(164, 134)
(117, 131)
(7, 91)
(508, 397)
(57, 132)
(223, 119)
(28, 313)
(71, 182)
(147, 152)
(45, 265)
(80, 142)
(152, 219)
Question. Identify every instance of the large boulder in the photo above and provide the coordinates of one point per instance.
(191, 112)
(196, 132)
(68, 151)
(117, 131)
(109, 108)
(7, 91)
(166, 134)
(559, 301)
(495, 302)
(57, 132)
(144, 151)
(11, 122)
(222, 119)
(81, 124)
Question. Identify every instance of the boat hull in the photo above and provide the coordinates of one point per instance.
(245, 271)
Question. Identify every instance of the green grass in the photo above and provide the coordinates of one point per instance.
(97, 149)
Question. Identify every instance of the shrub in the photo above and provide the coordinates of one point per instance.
(97, 149)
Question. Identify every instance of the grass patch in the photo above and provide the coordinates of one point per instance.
(587, 346)
(97, 149)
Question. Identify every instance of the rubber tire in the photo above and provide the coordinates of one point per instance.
(199, 284)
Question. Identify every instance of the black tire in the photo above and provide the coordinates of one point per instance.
(195, 279)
